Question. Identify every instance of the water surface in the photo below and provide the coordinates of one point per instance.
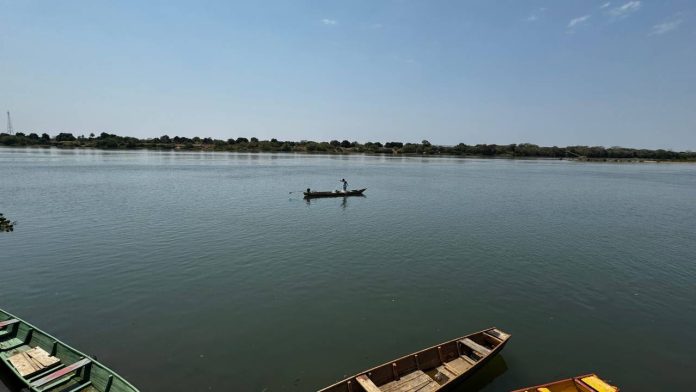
(200, 271)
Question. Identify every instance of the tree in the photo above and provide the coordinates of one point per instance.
(45, 137)
(409, 148)
(345, 144)
(107, 143)
(242, 140)
(65, 137)
(425, 143)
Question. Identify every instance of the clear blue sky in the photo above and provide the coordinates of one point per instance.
(545, 72)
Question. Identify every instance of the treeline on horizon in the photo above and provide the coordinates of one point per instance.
(241, 144)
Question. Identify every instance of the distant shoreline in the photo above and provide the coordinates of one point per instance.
(502, 157)
(110, 142)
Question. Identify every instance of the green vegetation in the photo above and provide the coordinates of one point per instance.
(5, 224)
(241, 144)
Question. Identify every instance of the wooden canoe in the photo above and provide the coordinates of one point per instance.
(314, 194)
(45, 364)
(433, 369)
(586, 383)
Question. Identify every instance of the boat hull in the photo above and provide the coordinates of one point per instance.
(315, 195)
(57, 367)
(586, 383)
(437, 368)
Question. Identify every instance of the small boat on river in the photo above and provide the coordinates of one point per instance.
(437, 368)
(586, 383)
(314, 194)
(45, 364)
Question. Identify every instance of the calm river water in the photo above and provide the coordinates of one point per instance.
(200, 271)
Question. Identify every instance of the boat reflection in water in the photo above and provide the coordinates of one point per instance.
(484, 377)
(344, 200)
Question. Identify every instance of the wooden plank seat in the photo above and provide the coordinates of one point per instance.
(5, 323)
(60, 373)
(595, 383)
(412, 382)
(81, 387)
(475, 346)
(467, 359)
(29, 361)
(24, 365)
(367, 384)
(458, 366)
(494, 338)
(5, 332)
(44, 372)
(40, 355)
(498, 334)
(11, 344)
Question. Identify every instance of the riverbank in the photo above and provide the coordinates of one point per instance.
(394, 153)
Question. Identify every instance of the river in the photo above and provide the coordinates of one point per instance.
(201, 271)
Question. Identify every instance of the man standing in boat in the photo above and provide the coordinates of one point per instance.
(345, 184)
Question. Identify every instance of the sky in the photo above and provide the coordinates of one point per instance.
(573, 72)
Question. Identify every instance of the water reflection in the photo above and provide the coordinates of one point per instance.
(484, 376)
(10, 381)
(344, 200)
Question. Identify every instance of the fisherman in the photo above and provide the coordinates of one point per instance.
(345, 184)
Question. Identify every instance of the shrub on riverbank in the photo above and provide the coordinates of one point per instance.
(5, 224)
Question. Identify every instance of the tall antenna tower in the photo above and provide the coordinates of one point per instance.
(9, 124)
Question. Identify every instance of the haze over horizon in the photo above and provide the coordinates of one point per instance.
(611, 73)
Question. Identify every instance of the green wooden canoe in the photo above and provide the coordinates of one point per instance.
(45, 364)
